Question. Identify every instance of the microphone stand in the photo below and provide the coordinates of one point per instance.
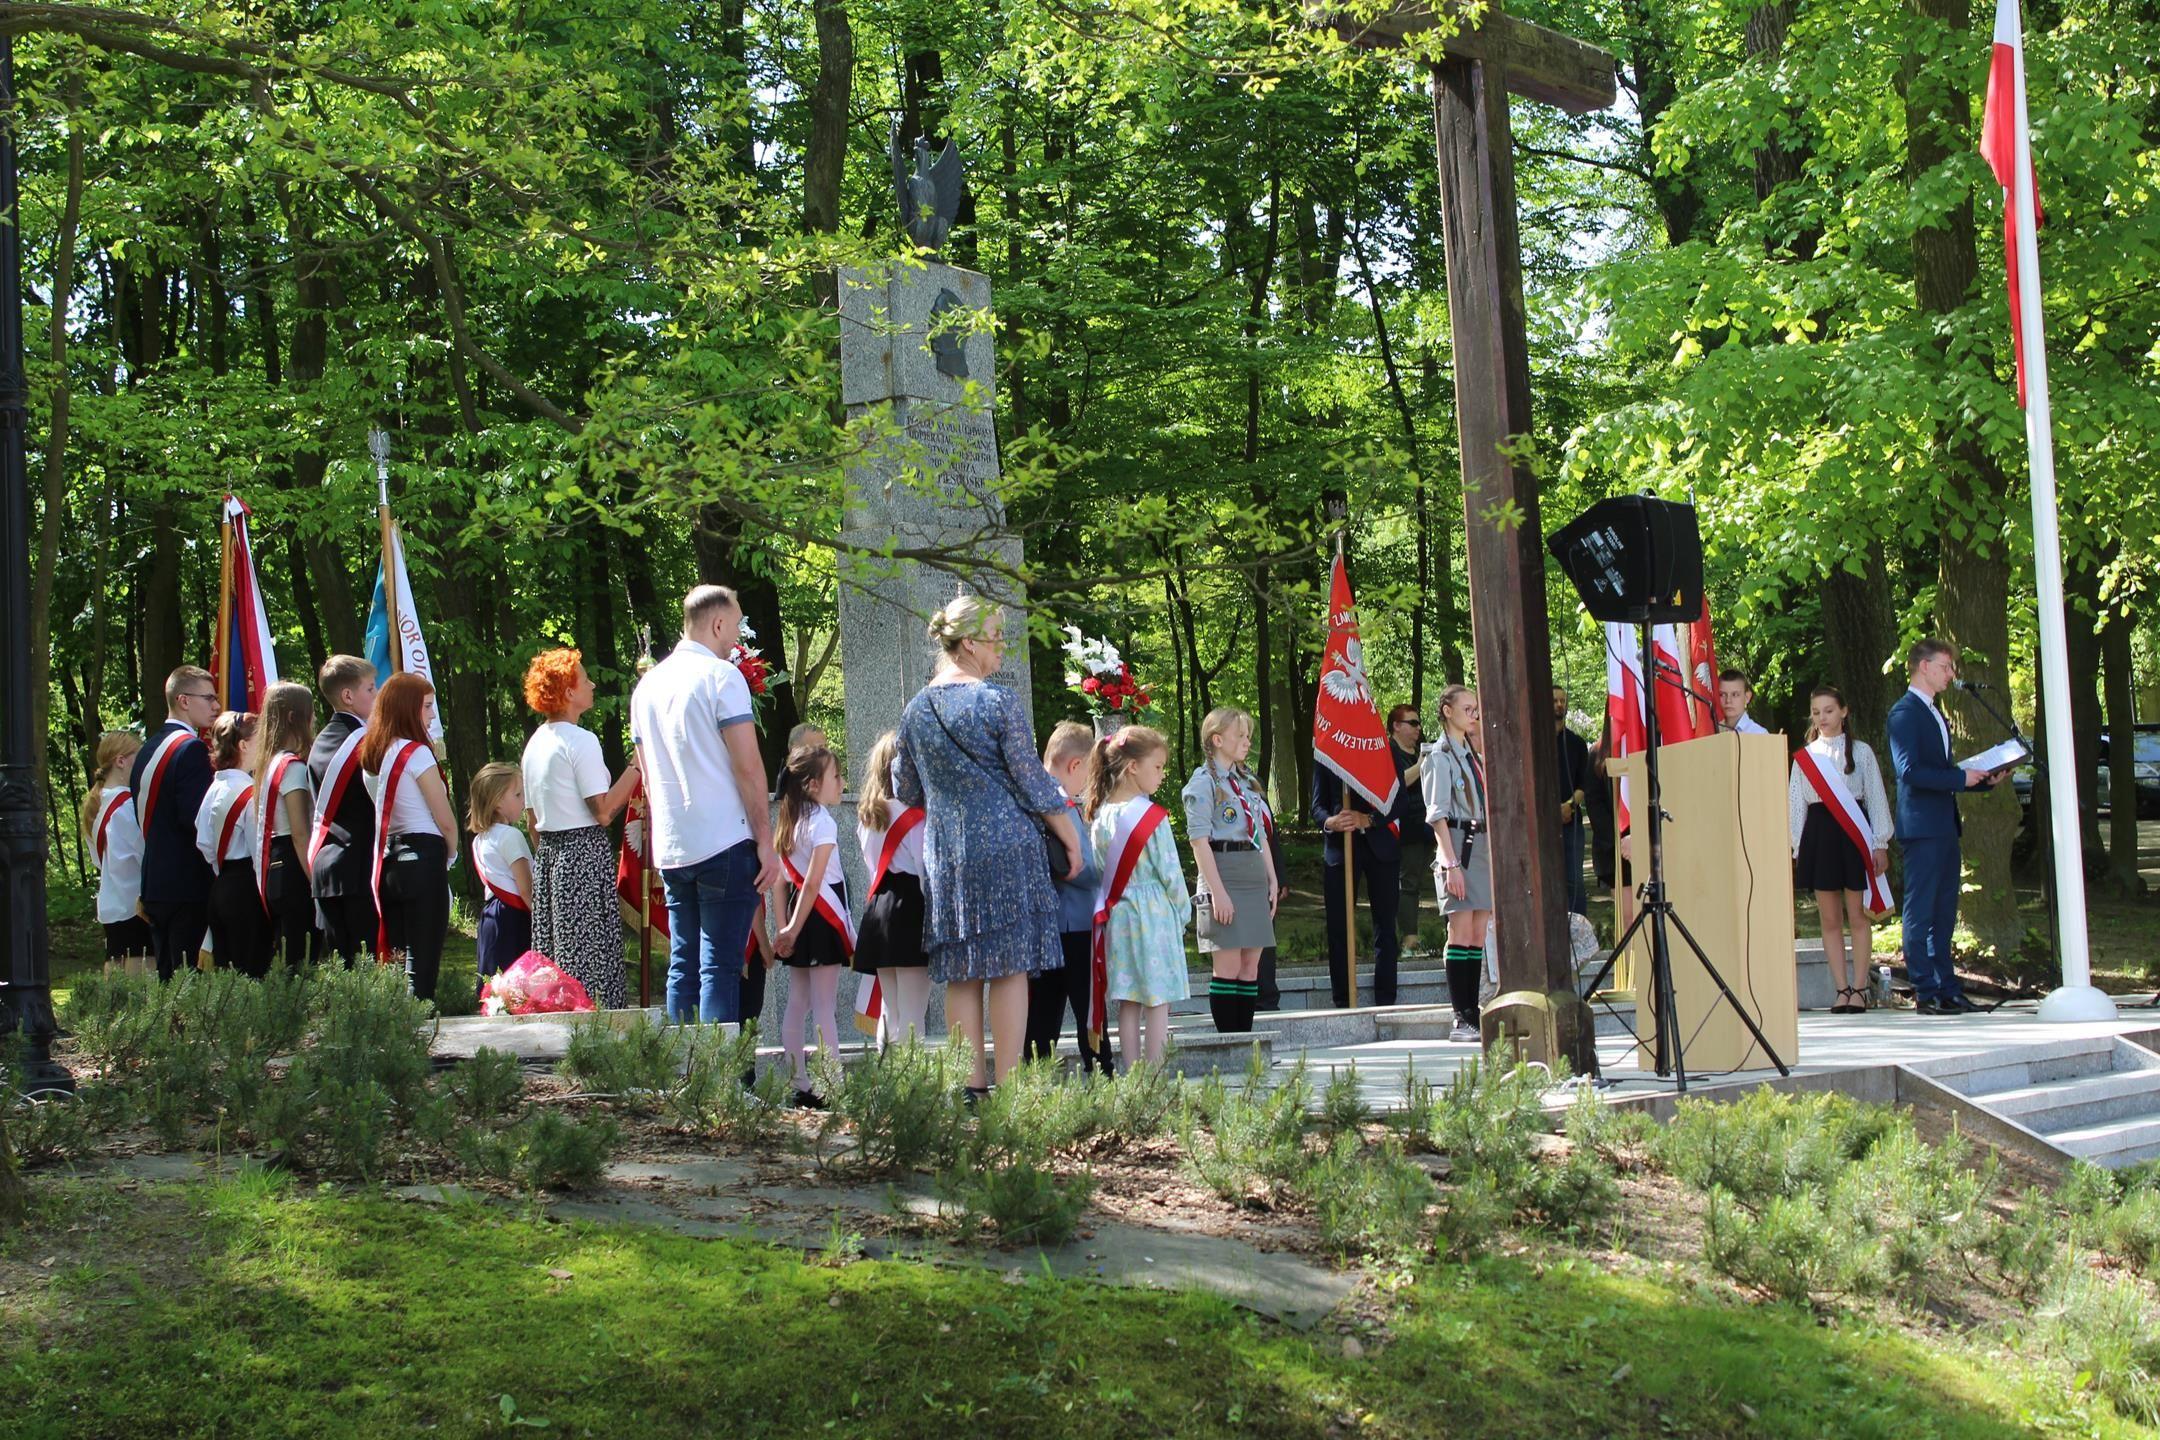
(2040, 768)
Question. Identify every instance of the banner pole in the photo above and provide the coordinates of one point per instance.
(1349, 885)
(646, 876)
(222, 651)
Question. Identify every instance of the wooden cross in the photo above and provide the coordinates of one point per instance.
(1505, 537)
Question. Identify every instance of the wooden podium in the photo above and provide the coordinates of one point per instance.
(1728, 874)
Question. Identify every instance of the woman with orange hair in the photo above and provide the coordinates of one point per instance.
(569, 805)
(413, 826)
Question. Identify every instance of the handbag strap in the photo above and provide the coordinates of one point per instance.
(979, 763)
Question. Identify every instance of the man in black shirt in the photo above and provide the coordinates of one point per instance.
(1575, 782)
(1413, 835)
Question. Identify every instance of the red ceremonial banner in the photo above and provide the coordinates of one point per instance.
(1348, 736)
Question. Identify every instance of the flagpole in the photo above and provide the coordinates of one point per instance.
(378, 444)
(221, 652)
(2078, 998)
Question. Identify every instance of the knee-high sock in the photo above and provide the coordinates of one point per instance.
(1248, 1003)
(1465, 969)
(1222, 1005)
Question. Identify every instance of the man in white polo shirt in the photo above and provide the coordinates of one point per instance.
(690, 719)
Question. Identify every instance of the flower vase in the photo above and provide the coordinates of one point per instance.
(1108, 725)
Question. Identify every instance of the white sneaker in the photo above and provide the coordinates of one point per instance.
(1464, 1034)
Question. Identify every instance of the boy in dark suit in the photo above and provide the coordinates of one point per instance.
(1379, 861)
(344, 840)
(171, 776)
(1928, 826)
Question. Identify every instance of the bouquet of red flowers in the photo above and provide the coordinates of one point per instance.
(1101, 677)
(757, 671)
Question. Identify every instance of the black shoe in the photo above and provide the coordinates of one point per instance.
(1963, 1005)
(808, 1100)
(1933, 1006)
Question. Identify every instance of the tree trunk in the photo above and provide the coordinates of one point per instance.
(1860, 636)
(1973, 575)
(724, 557)
(332, 586)
(2082, 641)
(2123, 876)
(159, 608)
(54, 518)
(826, 158)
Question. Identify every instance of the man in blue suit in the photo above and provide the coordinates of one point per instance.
(1928, 826)
(171, 775)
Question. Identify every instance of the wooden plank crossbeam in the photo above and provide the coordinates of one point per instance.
(1540, 64)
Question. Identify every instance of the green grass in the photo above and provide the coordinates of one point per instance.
(253, 1306)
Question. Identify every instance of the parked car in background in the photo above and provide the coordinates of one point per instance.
(2145, 756)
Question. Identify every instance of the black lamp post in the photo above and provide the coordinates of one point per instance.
(26, 1010)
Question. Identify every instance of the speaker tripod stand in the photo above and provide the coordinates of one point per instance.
(1660, 916)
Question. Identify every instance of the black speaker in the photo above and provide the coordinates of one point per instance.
(1634, 559)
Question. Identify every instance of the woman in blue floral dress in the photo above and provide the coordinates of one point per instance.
(965, 756)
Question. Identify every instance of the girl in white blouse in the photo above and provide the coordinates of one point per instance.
(1827, 859)
(116, 844)
(225, 834)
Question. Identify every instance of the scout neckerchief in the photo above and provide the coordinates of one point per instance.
(1127, 843)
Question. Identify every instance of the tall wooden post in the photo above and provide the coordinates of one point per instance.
(1504, 532)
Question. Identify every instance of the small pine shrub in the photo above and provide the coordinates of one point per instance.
(1767, 1144)
(1789, 1249)
(1367, 1201)
(1419, 1117)
(1024, 1202)
(485, 1088)
(49, 1131)
(904, 1106)
(710, 1096)
(2131, 1229)
(2103, 1329)
(1254, 1144)
(1139, 1104)
(1343, 1109)
(544, 1150)
(1032, 1113)
(1472, 1214)
(2026, 1247)
(633, 1066)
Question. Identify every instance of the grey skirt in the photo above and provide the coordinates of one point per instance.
(1244, 875)
(1477, 893)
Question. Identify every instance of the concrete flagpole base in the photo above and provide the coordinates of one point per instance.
(2075, 1004)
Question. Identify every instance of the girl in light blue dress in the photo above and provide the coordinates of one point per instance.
(1148, 915)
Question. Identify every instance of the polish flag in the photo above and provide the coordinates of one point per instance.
(1999, 126)
(1624, 702)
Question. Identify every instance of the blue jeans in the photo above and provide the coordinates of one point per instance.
(709, 908)
(1932, 880)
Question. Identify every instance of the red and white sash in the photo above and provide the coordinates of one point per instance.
(393, 771)
(104, 823)
(1122, 856)
(266, 822)
(1829, 784)
(828, 903)
(903, 825)
(234, 810)
(336, 777)
(154, 774)
(510, 898)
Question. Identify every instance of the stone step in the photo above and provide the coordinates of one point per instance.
(1986, 1073)
(2113, 1143)
(2054, 1106)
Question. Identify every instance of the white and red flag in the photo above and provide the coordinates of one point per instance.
(633, 873)
(2000, 127)
(1624, 702)
(1348, 737)
(242, 658)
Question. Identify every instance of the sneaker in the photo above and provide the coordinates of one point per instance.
(1464, 1033)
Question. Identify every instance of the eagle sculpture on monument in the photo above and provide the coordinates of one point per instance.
(930, 193)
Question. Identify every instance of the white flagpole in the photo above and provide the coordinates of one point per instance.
(2078, 998)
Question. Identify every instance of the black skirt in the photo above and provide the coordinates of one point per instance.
(818, 944)
(1828, 859)
(892, 927)
(124, 938)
